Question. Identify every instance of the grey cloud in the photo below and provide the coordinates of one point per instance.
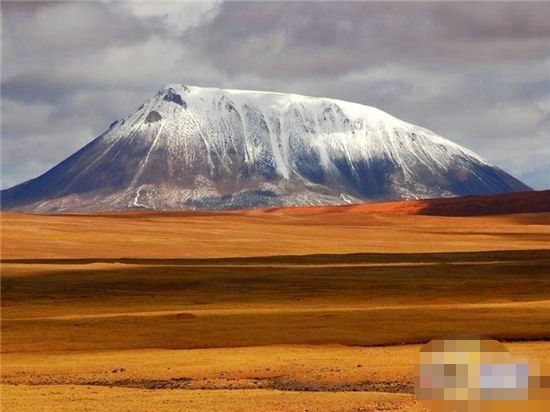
(332, 38)
(61, 27)
(50, 48)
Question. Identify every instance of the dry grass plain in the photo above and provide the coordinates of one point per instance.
(260, 310)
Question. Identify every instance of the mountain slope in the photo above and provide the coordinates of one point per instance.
(191, 147)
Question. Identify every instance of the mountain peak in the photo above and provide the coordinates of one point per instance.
(196, 147)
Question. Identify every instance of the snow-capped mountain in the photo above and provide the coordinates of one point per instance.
(205, 148)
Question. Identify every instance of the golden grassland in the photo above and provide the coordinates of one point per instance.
(259, 310)
(263, 233)
(271, 378)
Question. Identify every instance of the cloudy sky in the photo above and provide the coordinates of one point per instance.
(476, 73)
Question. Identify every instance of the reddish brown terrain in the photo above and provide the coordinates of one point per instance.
(501, 204)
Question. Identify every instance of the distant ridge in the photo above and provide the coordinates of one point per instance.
(501, 204)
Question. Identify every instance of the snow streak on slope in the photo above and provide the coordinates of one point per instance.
(192, 147)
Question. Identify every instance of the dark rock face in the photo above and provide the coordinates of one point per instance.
(152, 117)
(173, 97)
(220, 149)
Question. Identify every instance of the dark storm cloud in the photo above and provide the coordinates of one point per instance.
(477, 73)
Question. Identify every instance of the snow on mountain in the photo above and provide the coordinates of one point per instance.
(206, 148)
